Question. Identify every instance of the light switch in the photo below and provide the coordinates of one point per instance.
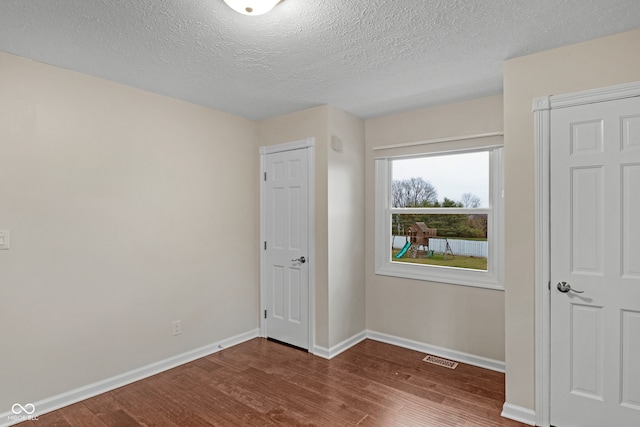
(4, 239)
(336, 144)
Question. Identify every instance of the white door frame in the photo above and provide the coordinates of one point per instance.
(542, 136)
(308, 144)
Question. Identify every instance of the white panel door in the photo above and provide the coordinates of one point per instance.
(287, 231)
(595, 265)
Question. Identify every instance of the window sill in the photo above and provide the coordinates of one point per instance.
(454, 276)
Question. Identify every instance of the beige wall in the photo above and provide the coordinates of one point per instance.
(598, 63)
(346, 227)
(312, 122)
(127, 211)
(461, 318)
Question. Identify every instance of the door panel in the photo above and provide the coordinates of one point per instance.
(630, 225)
(631, 132)
(587, 370)
(595, 248)
(630, 371)
(586, 137)
(287, 231)
(587, 223)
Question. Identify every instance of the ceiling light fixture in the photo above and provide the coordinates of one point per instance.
(252, 7)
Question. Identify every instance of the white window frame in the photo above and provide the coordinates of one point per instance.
(492, 277)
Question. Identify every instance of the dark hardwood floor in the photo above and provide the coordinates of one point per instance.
(261, 383)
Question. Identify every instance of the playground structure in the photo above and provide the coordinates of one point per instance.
(418, 235)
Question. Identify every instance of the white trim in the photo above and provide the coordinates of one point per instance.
(263, 238)
(436, 152)
(458, 356)
(518, 413)
(440, 274)
(312, 241)
(441, 211)
(288, 146)
(542, 117)
(385, 266)
(330, 353)
(73, 396)
(542, 138)
(437, 141)
(610, 93)
(309, 144)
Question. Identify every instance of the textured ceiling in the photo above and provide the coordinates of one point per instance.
(368, 57)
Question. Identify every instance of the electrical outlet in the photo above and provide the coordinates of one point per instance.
(176, 328)
(4, 239)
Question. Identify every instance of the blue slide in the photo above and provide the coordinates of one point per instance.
(404, 250)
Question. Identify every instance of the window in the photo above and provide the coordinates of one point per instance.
(439, 217)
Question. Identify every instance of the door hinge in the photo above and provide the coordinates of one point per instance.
(265, 314)
(265, 176)
(265, 245)
(549, 284)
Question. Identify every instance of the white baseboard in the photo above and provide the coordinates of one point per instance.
(329, 353)
(65, 399)
(458, 356)
(518, 413)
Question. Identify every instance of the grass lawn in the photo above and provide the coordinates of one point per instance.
(459, 261)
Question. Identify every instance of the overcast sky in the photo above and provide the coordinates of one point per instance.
(452, 175)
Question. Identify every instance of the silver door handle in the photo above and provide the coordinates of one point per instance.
(301, 260)
(565, 287)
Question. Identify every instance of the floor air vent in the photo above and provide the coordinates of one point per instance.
(441, 362)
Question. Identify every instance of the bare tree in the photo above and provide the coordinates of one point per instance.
(413, 192)
(470, 200)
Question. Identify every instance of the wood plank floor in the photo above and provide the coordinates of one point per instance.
(261, 383)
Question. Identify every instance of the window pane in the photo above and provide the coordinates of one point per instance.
(440, 239)
(451, 180)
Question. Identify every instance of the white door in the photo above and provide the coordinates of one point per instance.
(287, 247)
(595, 250)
